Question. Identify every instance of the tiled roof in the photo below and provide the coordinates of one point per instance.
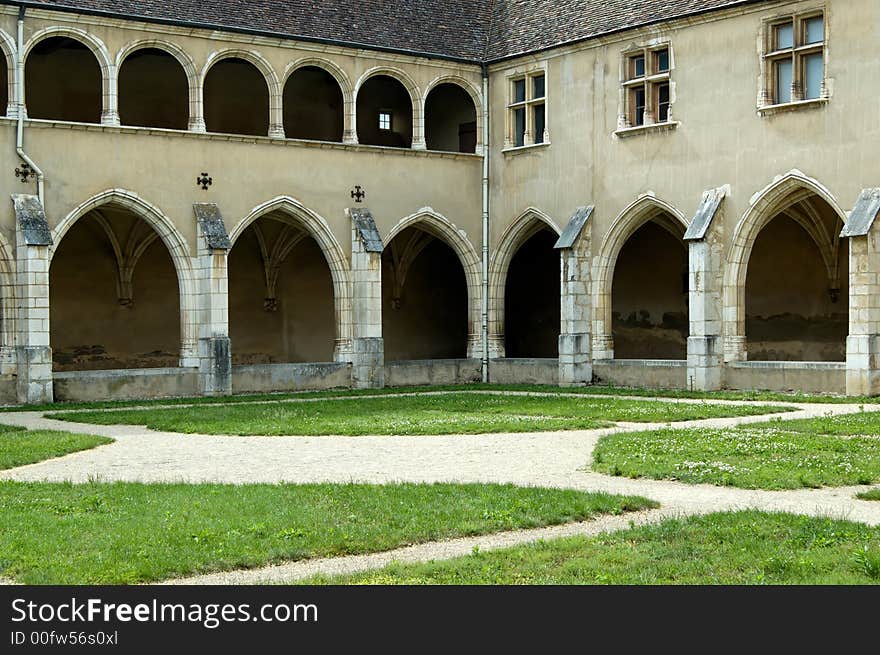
(474, 30)
(522, 26)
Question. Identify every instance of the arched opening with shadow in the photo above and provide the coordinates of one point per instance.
(649, 293)
(236, 98)
(281, 294)
(63, 81)
(796, 291)
(114, 295)
(532, 302)
(384, 113)
(153, 90)
(314, 106)
(424, 298)
(450, 119)
(4, 87)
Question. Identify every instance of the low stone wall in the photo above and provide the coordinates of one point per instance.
(412, 373)
(649, 373)
(263, 378)
(807, 377)
(125, 384)
(524, 371)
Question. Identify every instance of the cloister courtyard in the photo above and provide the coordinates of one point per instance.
(448, 485)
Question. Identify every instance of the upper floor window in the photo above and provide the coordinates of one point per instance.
(385, 120)
(646, 87)
(794, 59)
(527, 110)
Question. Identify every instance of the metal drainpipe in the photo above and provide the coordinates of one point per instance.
(485, 313)
(19, 101)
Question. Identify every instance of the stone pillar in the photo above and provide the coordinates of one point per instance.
(705, 353)
(33, 353)
(211, 275)
(110, 109)
(863, 342)
(368, 346)
(705, 346)
(575, 339)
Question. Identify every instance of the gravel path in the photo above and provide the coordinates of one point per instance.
(550, 459)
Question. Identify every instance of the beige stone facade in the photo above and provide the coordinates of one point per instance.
(122, 118)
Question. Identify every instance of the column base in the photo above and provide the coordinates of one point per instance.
(368, 363)
(735, 349)
(603, 347)
(863, 365)
(34, 375)
(475, 347)
(575, 359)
(705, 361)
(215, 366)
(496, 347)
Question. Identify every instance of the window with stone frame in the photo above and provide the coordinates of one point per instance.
(647, 79)
(794, 59)
(527, 110)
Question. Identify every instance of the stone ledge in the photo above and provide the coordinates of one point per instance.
(790, 366)
(650, 363)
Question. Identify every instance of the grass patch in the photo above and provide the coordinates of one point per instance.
(860, 424)
(775, 455)
(127, 533)
(19, 446)
(456, 413)
(592, 390)
(743, 548)
(874, 494)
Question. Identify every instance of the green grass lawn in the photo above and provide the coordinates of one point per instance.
(874, 494)
(127, 533)
(458, 413)
(773, 455)
(592, 390)
(743, 548)
(19, 446)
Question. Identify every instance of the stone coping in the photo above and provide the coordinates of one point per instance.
(791, 366)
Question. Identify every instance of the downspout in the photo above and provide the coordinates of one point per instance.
(484, 327)
(19, 101)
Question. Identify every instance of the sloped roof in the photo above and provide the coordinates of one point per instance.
(471, 30)
(523, 26)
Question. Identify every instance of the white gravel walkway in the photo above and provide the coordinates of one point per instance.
(551, 459)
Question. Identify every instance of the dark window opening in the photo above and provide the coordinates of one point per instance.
(424, 299)
(532, 300)
(98, 323)
(662, 95)
(153, 91)
(383, 93)
(313, 106)
(539, 113)
(519, 128)
(236, 99)
(648, 300)
(450, 119)
(63, 82)
(280, 310)
(638, 106)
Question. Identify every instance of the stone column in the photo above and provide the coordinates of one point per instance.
(705, 346)
(211, 275)
(575, 339)
(368, 346)
(863, 342)
(33, 353)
